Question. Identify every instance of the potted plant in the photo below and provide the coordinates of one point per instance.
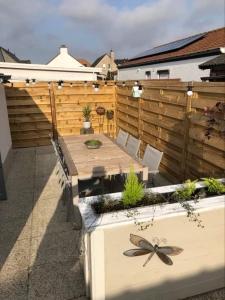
(86, 115)
(100, 110)
(109, 114)
(109, 220)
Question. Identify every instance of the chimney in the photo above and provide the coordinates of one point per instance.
(112, 55)
(63, 49)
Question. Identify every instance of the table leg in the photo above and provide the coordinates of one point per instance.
(78, 218)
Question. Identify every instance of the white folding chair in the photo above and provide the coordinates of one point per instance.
(152, 158)
(122, 138)
(133, 145)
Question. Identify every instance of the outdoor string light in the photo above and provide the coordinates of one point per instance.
(60, 84)
(96, 87)
(71, 84)
(123, 84)
(189, 90)
(27, 82)
(49, 83)
(105, 82)
(85, 83)
(33, 81)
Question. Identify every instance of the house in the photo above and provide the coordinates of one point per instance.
(178, 59)
(217, 68)
(7, 56)
(108, 65)
(62, 67)
(84, 62)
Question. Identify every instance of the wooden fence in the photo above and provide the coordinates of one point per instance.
(161, 118)
(35, 110)
(165, 117)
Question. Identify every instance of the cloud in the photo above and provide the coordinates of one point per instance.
(35, 29)
(152, 23)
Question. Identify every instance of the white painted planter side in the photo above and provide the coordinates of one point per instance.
(98, 230)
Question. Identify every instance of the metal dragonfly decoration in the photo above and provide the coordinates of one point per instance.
(146, 247)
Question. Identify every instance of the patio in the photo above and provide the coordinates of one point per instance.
(40, 253)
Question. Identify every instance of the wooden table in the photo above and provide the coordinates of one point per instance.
(109, 159)
(84, 163)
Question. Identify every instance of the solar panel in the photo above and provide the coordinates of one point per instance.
(171, 46)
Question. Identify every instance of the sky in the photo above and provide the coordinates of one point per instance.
(35, 29)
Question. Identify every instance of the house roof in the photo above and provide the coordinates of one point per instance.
(84, 62)
(98, 59)
(207, 43)
(7, 56)
(217, 61)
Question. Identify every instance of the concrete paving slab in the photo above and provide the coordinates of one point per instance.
(17, 258)
(18, 205)
(13, 286)
(45, 150)
(56, 281)
(55, 247)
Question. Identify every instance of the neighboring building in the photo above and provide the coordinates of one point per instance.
(108, 65)
(217, 68)
(62, 67)
(84, 62)
(7, 56)
(179, 59)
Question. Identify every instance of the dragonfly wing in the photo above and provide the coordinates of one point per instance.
(148, 259)
(141, 242)
(136, 252)
(164, 258)
(170, 250)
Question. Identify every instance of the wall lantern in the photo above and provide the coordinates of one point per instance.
(96, 87)
(33, 81)
(27, 82)
(85, 83)
(189, 90)
(60, 84)
(71, 84)
(137, 90)
(123, 84)
(105, 82)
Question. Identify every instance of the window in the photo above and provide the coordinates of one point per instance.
(163, 74)
(148, 75)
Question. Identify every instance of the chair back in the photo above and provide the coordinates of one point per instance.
(152, 158)
(133, 145)
(122, 138)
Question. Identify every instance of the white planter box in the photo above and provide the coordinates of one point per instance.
(111, 275)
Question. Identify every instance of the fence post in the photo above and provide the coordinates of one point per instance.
(186, 133)
(53, 110)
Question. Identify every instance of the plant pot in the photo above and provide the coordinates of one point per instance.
(100, 110)
(86, 124)
(107, 238)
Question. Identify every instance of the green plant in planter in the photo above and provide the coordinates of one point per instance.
(186, 192)
(134, 191)
(87, 113)
(214, 186)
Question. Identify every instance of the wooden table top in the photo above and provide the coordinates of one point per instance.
(109, 159)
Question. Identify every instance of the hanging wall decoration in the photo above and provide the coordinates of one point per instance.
(145, 247)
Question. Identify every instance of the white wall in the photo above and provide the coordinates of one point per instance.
(186, 70)
(65, 60)
(5, 136)
(47, 73)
